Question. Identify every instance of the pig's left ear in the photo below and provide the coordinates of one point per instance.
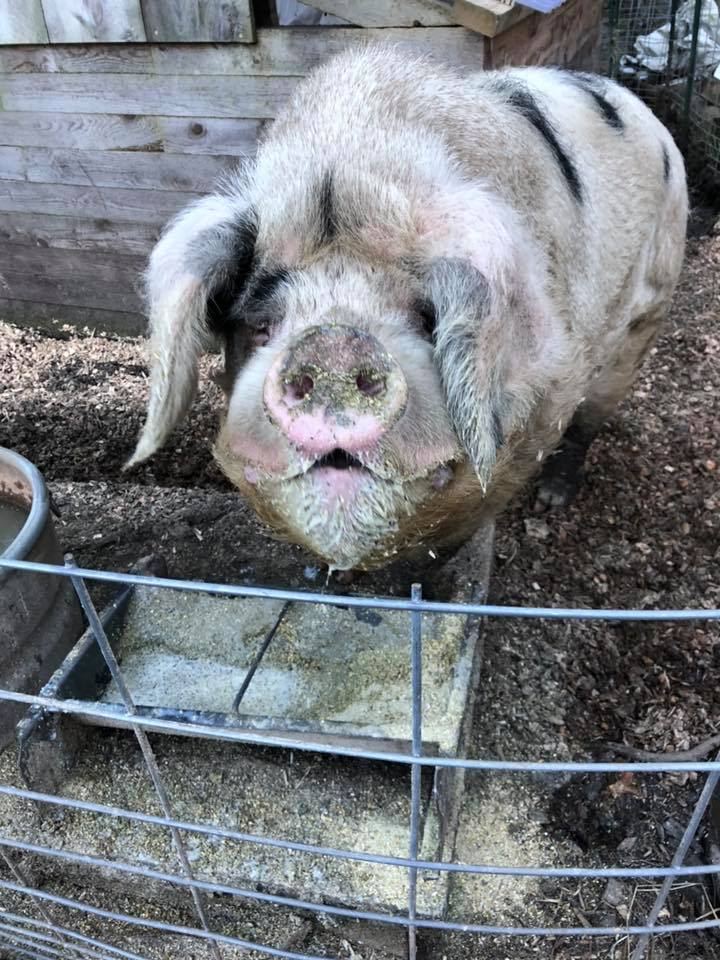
(498, 344)
(206, 249)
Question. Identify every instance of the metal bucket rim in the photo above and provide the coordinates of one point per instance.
(35, 522)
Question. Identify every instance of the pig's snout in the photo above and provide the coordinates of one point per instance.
(334, 387)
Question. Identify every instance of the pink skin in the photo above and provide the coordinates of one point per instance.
(317, 432)
(341, 487)
(270, 459)
(344, 362)
(335, 387)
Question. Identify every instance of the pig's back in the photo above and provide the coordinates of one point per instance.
(592, 173)
(605, 189)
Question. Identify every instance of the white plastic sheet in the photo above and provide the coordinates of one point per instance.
(651, 50)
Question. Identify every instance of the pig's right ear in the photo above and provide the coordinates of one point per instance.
(206, 250)
(498, 344)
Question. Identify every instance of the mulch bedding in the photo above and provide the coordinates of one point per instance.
(644, 532)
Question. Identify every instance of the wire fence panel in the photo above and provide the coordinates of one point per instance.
(43, 935)
(668, 52)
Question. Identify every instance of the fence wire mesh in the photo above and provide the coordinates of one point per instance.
(668, 52)
(46, 928)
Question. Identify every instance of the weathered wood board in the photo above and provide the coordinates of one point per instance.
(91, 21)
(100, 279)
(51, 199)
(104, 168)
(387, 13)
(133, 134)
(79, 233)
(251, 97)
(22, 22)
(488, 17)
(281, 52)
(193, 21)
(126, 21)
(569, 36)
(54, 318)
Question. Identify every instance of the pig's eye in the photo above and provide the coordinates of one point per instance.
(260, 337)
(425, 310)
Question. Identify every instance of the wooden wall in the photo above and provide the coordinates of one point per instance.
(101, 144)
(125, 21)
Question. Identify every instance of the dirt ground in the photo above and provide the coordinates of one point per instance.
(644, 532)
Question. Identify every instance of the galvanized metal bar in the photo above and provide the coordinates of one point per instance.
(150, 763)
(209, 886)
(29, 938)
(370, 603)
(54, 927)
(159, 925)
(19, 952)
(416, 606)
(17, 943)
(391, 919)
(613, 8)
(438, 866)
(671, 41)
(95, 711)
(257, 659)
(692, 63)
(416, 769)
(687, 838)
(19, 875)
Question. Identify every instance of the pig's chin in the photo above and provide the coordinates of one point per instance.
(343, 510)
(345, 514)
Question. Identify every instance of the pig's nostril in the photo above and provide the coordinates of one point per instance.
(298, 388)
(369, 385)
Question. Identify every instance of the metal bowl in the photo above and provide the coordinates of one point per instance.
(40, 617)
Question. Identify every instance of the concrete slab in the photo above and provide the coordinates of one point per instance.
(328, 669)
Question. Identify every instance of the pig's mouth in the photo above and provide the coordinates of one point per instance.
(338, 460)
(339, 477)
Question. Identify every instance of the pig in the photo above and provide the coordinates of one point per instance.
(427, 287)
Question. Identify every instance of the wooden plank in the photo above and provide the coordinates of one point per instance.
(387, 13)
(98, 279)
(54, 319)
(281, 52)
(102, 168)
(556, 38)
(488, 17)
(250, 97)
(183, 21)
(22, 22)
(78, 233)
(197, 135)
(91, 21)
(142, 206)
(77, 58)
(214, 135)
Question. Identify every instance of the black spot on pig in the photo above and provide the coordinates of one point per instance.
(595, 89)
(223, 257)
(328, 223)
(666, 164)
(266, 285)
(525, 104)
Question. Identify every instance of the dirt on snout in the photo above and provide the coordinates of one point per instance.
(644, 532)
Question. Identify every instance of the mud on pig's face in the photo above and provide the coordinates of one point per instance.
(336, 427)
